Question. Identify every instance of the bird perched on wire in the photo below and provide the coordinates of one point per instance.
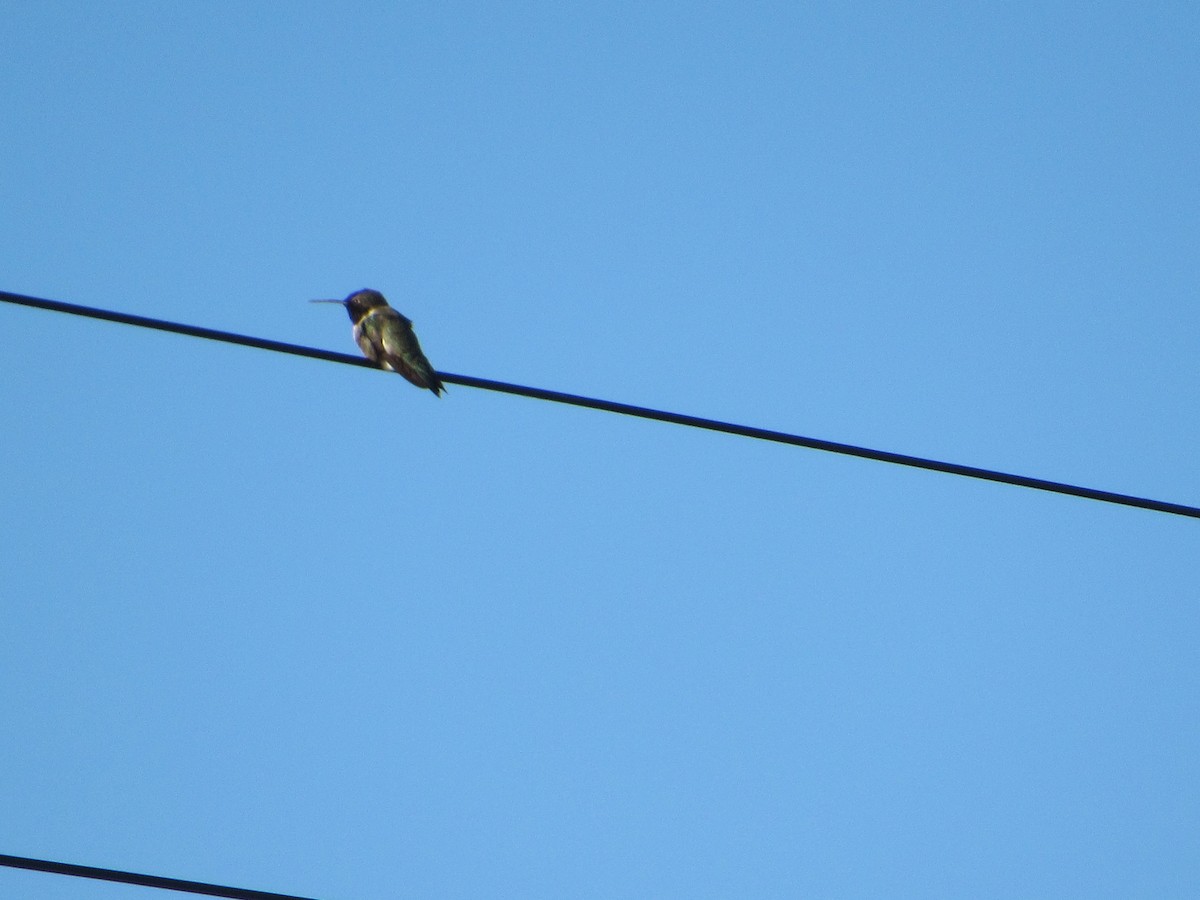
(386, 338)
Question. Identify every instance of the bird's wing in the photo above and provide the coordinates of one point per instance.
(402, 352)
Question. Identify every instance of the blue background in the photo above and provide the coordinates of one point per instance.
(294, 626)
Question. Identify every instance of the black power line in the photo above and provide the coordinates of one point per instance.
(626, 409)
(152, 881)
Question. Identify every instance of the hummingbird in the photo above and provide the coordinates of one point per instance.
(386, 338)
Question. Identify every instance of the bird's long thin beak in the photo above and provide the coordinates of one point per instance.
(339, 302)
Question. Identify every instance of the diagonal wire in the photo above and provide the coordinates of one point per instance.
(626, 409)
(151, 881)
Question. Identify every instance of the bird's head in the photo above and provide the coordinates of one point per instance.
(359, 303)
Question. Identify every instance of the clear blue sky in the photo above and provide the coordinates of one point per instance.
(288, 625)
